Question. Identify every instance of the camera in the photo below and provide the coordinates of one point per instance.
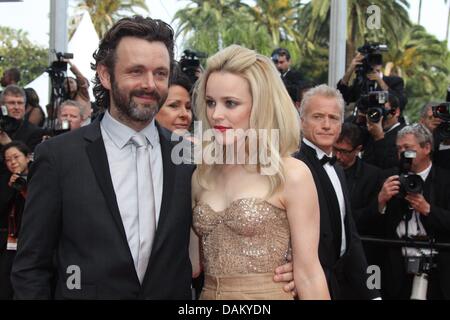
(190, 63)
(58, 128)
(20, 183)
(372, 104)
(442, 111)
(59, 65)
(372, 57)
(409, 182)
(7, 124)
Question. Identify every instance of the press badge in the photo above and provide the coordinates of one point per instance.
(12, 244)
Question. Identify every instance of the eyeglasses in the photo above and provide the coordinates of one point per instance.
(343, 151)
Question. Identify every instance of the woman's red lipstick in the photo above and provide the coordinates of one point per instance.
(221, 128)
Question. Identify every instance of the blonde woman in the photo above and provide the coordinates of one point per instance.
(252, 202)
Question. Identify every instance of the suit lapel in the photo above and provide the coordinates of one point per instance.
(329, 196)
(96, 153)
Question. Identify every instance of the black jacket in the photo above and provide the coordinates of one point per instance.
(72, 214)
(436, 224)
(346, 275)
(383, 153)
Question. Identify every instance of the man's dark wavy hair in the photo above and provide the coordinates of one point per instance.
(137, 26)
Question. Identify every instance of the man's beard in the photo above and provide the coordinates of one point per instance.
(130, 109)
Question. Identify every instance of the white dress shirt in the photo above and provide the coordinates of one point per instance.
(331, 172)
(121, 153)
(415, 226)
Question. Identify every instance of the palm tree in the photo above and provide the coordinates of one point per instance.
(206, 16)
(424, 63)
(316, 16)
(105, 12)
(279, 18)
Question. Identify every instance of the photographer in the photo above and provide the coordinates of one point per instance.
(16, 157)
(368, 64)
(416, 205)
(12, 124)
(77, 89)
(380, 150)
(435, 116)
(190, 64)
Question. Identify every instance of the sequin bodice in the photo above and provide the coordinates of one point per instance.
(250, 236)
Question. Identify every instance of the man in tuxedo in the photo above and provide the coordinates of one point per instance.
(340, 249)
(108, 213)
(393, 84)
(420, 216)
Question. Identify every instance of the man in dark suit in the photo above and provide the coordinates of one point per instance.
(84, 204)
(340, 249)
(364, 181)
(282, 60)
(416, 216)
(393, 84)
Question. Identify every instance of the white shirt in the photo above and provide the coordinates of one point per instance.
(415, 226)
(121, 153)
(331, 172)
(392, 128)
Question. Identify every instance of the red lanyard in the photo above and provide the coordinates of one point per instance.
(12, 227)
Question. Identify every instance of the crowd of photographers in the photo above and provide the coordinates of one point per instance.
(397, 177)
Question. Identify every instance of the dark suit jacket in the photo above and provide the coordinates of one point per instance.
(367, 182)
(436, 224)
(364, 183)
(71, 214)
(383, 153)
(346, 275)
(29, 134)
(396, 86)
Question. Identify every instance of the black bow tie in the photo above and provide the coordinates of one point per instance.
(326, 159)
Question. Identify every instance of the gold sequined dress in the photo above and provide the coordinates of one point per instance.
(242, 245)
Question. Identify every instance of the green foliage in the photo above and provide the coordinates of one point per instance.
(105, 13)
(18, 51)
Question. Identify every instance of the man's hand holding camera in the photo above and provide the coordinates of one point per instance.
(391, 187)
(357, 60)
(375, 76)
(375, 129)
(418, 203)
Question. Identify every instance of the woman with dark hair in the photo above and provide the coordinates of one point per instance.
(33, 111)
(176, 112)
(17, 157)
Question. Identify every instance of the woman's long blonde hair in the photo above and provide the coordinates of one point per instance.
(272, 106)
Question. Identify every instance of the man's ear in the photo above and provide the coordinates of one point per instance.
(104, 76)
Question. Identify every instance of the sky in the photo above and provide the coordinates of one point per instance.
(33, 16)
